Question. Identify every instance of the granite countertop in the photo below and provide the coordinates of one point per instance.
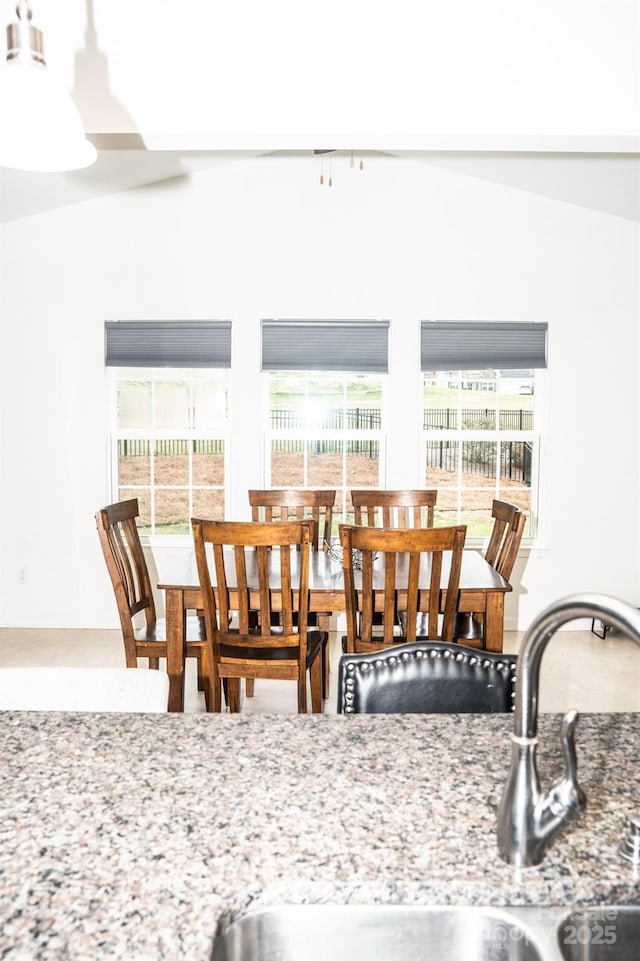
(130, 836)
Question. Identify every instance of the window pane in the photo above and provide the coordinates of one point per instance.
(171, 462)
(172, 405)
(324, 463)
(144, 506)
(446, 510)
(476, 512)
(515, 399)
(516, 460)
(479, 463)
(209, 403)
(441, 463)
(325, 402)
(209, 504)
(478, 399)
(208, 462)
(172, 512)
(134, 403)
(287, 463)
(363, 463)
(365, 394)
(286, 400)
(134, 461)
(440, 401)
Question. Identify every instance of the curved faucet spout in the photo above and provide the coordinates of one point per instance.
(527, 819)
(615, 612)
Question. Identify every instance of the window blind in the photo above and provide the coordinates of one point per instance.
(168, 343)
(482, 345)
(351, 345)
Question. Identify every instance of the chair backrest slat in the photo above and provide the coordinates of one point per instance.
(296, 504)
(394, 508)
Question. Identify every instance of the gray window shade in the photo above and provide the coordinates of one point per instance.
(482, 345)
(168, 343)
(354, 345)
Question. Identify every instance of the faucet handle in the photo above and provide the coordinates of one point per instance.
(568, 741)
(629, 847)
(566, 794)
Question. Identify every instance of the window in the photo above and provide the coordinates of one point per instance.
(480, 424)
(325, 405)
(170, 428)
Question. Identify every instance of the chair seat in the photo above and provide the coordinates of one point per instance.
(315, 641)
(195, 632)
(468, 627)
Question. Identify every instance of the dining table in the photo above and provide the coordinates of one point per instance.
(482, 589)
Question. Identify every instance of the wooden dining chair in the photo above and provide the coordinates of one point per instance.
(394, 508)
(427, 677)
(127, 566)
(395, 571)
(502, 550)
(298, 504)
(399, 508)
(263, 567)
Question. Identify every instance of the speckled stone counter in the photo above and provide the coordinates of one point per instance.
(131, 836)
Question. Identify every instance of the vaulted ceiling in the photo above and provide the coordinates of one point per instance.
(545, 101)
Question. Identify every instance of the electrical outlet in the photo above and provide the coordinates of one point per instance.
(21, 575)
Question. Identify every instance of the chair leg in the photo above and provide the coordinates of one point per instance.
(323, 625)
(316, 683)
(248, 686)
(233, 694)
(206, 672)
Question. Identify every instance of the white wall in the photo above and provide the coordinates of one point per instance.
(370, 72)
(260, 238)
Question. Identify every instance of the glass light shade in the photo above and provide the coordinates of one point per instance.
(40, 126)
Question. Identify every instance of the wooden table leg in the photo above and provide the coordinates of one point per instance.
(175, 616)
(494, 621)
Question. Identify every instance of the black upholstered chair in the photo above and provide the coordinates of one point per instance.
(427, 677)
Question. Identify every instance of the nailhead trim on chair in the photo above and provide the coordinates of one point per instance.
(379, 663)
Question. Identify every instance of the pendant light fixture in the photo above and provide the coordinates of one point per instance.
(40, 125)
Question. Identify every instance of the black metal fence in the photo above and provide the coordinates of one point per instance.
(167, 447)
(477, 419)
(480, 457)
(363, 448)
(353, 418)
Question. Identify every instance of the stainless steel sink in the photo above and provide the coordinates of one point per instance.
(381, 933)
(601, 934)
(431, 933)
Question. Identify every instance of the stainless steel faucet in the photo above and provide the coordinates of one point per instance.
(528, 819)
